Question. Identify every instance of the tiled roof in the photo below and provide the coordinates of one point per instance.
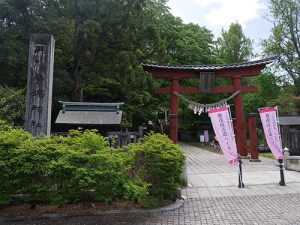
(89, 117)
(90, 106)
(90, 113)
(260, 62)
(289, 120)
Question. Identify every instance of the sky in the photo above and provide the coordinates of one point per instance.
(218, 14)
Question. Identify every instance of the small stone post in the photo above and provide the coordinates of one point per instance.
(286, 154)
(39, 84)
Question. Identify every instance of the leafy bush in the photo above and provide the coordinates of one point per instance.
(82, 167)
(12, 105)
(90, 164)
(136, 189)
(10, 141)
(159, 162)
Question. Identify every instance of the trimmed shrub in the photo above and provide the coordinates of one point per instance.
(82, 167)
(10, 141)
(159, 162)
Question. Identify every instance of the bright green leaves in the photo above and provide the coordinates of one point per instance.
(82, 167)
(160, 163)
(284, 40)
(233, 46)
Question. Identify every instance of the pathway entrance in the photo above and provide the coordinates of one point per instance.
(209, 175)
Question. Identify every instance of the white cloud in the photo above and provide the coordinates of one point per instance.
(221, 13)
(205, 3)
(179, 13)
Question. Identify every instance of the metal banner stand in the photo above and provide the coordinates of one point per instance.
(241, 184)
(282, 181)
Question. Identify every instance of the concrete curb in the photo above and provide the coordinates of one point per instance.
(56, 216)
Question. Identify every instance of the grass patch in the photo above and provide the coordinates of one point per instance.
(267, 155)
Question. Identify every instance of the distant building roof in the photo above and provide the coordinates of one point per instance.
(88, 113)
(289, 120)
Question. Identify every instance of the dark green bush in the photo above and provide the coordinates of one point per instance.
(12, 105)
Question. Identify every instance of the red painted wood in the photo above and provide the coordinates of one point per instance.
(240, 119)
(174, 111)
(253, 148)
(188, 90)
(195, 90)
(228, 89)
(249, 89)
(163, 90)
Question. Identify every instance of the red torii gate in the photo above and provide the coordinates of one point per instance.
(234, 71)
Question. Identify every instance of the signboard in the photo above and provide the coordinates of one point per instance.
(271, 130)
(223, 129)
(207, 80)
(201, 138)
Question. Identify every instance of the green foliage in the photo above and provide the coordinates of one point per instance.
(61, 169)
(284, 40)
(10, 142)
(99, 48)
(286, 102)
(160, 163)
(268, 91)
(233, 46)
(81, 167)
(12, 105)
(137, 190)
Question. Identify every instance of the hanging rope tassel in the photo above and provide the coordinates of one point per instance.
(199, 108)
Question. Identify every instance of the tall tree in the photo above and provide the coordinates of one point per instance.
(233, 46)
(99, 48)
(285, 38)
(268, 90)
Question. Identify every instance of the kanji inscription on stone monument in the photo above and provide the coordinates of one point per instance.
(39, 84)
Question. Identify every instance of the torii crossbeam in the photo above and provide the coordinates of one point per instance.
(234, 71)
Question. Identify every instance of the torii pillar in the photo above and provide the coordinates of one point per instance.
(234, 71)
(174, 110)
(240, 118)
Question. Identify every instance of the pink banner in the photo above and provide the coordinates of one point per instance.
(223, 128)
(270, 125)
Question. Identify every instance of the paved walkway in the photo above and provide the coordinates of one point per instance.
(213, 196)
(209, 175)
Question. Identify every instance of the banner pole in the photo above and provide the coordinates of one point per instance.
(241, 184)
(282, 180)
(240, 173)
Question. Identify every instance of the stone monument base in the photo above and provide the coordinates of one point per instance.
(292, 163)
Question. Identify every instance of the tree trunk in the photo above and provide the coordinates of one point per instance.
(78, 55)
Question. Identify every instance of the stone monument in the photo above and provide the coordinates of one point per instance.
(39, 84)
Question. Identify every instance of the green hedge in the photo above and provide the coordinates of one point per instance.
(159, 162)
(82, 167)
